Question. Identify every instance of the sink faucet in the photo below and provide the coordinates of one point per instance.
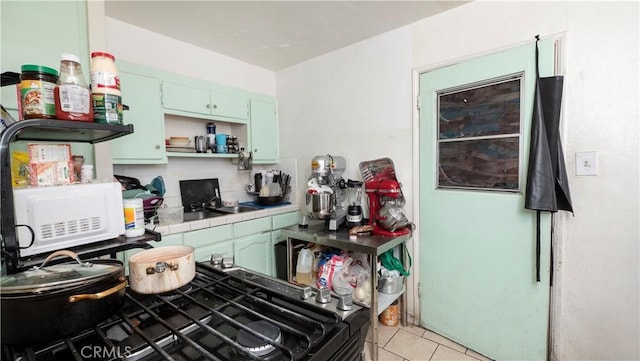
(195, 206)
(213, 202)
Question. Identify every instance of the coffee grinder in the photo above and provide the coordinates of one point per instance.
(325, 190)
(354, 201)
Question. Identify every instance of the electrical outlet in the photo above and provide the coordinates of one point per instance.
(587, 163)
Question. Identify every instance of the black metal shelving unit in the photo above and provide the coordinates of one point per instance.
(55, 130)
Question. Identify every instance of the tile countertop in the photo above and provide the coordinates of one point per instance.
(222, 220)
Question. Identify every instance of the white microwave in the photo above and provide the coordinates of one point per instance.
(67, 216)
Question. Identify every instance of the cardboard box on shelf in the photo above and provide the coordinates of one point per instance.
(51, 173)
(47, 153)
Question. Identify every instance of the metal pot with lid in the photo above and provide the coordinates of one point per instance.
(52, 301)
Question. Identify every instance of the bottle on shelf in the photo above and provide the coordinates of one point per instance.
(105, 89)
(72, 95)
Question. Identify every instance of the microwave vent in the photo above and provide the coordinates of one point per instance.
(71, 227)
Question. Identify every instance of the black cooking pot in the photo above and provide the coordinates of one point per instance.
(47, 303)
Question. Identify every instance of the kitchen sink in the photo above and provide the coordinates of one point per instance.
(233, 210)
(204, 214)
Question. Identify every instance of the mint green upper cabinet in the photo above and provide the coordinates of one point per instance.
(146, 144)
(185, 98)
(264, 131)
(38, 33)
(230, 106)
(209, 103)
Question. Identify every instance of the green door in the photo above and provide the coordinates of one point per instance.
(477, 245)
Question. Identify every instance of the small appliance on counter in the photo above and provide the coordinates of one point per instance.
(325, 190)
(354, 200)
(386, 200)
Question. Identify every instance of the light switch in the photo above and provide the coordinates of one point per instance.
(587, 163)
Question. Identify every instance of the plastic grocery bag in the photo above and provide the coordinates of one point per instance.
(328, 267)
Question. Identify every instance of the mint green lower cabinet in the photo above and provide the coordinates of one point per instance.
(278, 222)
(285, 220)
(225, 248)
(253, 226)
(146, 144)
(209, 241)
(253, 252)
(264, 131)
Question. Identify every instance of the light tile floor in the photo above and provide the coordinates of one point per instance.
(414, 343)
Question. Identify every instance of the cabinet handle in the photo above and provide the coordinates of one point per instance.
(208, 106)
(215, 106)
(255, 150)
(157, 146)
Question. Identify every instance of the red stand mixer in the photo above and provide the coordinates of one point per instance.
(385, 198)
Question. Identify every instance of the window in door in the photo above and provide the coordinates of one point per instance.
(479, 135)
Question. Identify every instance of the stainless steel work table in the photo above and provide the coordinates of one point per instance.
(373, 245)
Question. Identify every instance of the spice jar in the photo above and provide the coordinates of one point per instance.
(105, 89)
(37, 86)
(72, 95)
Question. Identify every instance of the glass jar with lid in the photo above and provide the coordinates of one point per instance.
(72, 95)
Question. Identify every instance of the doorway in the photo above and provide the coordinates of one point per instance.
(477, 241)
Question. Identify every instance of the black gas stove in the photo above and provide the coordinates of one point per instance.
(222, 314)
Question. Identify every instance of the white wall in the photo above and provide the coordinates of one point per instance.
(140, 46)
(356, 102)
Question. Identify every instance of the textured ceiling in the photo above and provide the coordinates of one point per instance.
(273, 34)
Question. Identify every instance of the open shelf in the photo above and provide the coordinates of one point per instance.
(202, 155)
(98, 249)
(51, 130)
(386, 299)
(65, 130)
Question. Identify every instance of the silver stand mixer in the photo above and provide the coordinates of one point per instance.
(325, 190)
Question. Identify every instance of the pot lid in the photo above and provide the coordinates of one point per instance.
(55, 277)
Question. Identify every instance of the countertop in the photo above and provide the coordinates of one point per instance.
(319, 233)
(166, 229)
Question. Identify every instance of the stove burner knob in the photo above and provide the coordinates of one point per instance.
(227, 262)
(345, 303)
(216, 259)
(305, 293)
(323, 295)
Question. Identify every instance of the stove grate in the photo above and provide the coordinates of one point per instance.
(199, 322)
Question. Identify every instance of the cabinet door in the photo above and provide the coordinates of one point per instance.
(253, 226)
(230, 106)
(203, 254)
(185, 98)
(285, 220)
(146, 144)
(264, 131)
(207, 236)
(252, 252)
(33, 33)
